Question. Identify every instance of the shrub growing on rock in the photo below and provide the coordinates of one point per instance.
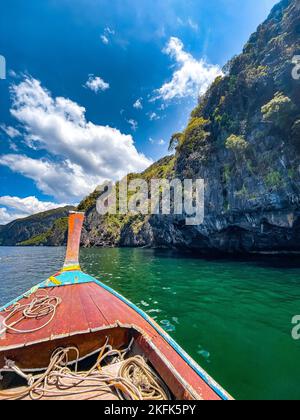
(279, 111)
(194, 136)
(175, 141)
(236, 143)
(274, 180)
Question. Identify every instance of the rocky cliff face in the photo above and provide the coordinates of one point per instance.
(243, 139)
(33, 230)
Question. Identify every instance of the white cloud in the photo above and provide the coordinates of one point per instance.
(28, 205)
(13, 74)
(10, 131)
(163, 107)
(153, 116)
(108, 33)
(160, 142)
(133, 124)
(104, 39)
(193, 25)
(7, 217)
(81, 154)
(17, 208)
(13, 146)
(188, 23)
(138, 104)
(96, 84)
(191, 79)
(65, 181)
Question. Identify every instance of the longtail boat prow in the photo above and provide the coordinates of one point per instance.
(73, 337)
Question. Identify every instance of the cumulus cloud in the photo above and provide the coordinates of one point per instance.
(28, 205)
(17, 208)
(80, 154)
(7, 217)
(96, 84)
(65, 180)
(192, 78)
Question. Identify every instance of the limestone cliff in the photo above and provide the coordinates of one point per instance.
(243, 139)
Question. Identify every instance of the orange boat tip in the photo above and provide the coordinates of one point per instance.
(73, 245)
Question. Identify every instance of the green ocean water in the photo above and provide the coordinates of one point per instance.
(232, 317)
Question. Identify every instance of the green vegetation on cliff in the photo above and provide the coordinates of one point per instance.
(34, 230)
(57, 232)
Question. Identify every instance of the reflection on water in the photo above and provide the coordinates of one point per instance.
(233, 317)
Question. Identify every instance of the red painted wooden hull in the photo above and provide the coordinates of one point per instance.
(89, 313)
(85, 312)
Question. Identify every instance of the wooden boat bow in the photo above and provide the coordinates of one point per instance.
(89, 312)
(76, 220)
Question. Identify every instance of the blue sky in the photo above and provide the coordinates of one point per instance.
(95, 88)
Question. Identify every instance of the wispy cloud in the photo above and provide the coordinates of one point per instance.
(107, 35)
(188, 23)
(192, 77)
(104, 39)
(153, 116)
(160, 142)
(10, 131)
(133, 124)
(96, 84)
(193, 25)
(138, 104)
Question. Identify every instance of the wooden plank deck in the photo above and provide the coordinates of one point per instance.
(86, 307)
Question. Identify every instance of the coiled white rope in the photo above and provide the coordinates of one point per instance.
(135, 380)
(40, 307)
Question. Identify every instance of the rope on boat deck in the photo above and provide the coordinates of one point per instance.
(135, 380)
(40, 307)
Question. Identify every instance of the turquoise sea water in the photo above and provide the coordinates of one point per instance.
(232, 317)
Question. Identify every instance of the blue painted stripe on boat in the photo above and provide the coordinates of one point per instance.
(66, 278)
(196, 368)
(69, 277)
